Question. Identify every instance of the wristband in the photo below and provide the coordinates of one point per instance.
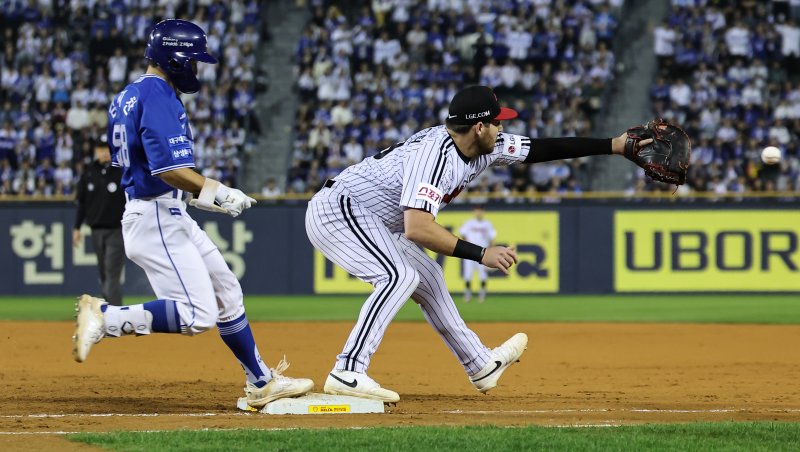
(467, 250)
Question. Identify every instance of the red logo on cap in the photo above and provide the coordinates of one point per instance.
(512, 149)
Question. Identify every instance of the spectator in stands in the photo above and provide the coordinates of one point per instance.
(271, 189)
(740, 98)
(52, 72)
(405, 72)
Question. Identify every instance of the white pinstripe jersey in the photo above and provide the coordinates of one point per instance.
(479, 232)
(424, 172)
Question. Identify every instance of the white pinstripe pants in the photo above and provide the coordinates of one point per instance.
(357, 240)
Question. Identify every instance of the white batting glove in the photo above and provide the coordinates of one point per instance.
(233, 200)
(216, 197)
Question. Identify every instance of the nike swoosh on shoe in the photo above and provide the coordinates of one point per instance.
(352, 384)
(497, 365)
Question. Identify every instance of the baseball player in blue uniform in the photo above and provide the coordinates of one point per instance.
(151, 140)
(374, 219)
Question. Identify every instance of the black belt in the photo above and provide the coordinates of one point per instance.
(329, 183)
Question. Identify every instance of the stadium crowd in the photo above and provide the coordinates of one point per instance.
(375, 72)
(728, 72)
(63, 61)
(372, 72)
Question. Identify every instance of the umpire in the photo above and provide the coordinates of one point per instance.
(101, 202)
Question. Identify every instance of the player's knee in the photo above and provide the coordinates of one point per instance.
(201, 324)
(203, 314)
(407, 277)
(133, 252)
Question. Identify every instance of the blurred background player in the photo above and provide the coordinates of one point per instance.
(151, 140)
(477, 230)
(101, 202)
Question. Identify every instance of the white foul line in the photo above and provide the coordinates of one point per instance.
(625, 410)
(552, 411)
(46, 415)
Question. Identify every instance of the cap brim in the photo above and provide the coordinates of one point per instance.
(506, 113)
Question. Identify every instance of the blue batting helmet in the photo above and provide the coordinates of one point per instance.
(173, 45)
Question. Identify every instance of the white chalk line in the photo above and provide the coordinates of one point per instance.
(626, 410)
(63, 415)
(276, 429)
(554, 411)
(550, 411)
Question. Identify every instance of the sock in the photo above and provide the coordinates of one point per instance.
(238, 336)
(482, 294)
(158, 316)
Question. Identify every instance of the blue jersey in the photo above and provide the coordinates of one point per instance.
(149, 134)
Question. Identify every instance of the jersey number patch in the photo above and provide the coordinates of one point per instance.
(119, 139)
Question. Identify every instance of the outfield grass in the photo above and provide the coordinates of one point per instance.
(728, 436)
(780, 309)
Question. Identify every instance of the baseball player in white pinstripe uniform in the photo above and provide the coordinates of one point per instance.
(477, 230)
(374, 217)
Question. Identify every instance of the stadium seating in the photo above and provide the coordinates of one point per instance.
(728, 72)
(372, 74)
(62, 63)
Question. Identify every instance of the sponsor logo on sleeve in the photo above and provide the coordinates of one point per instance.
(180, 146)
(427, 192)
(511, 144)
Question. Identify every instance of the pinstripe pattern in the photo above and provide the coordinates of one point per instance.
(358, 225)
(440, 310)
(388, 185)
(358, 241)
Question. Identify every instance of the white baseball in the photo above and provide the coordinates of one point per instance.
(771, 155)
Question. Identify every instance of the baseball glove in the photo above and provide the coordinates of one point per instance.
(666, 158)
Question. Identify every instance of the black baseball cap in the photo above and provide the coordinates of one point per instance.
(476, 104)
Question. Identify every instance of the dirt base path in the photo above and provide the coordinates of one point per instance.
(572, 374)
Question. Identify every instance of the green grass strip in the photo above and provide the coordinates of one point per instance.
(726, 436)
(680, 308)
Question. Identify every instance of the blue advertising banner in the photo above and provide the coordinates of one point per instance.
(266, 248)
(586, 247)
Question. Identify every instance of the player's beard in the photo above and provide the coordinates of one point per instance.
(486, 144)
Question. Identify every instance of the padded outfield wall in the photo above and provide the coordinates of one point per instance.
(572, 247)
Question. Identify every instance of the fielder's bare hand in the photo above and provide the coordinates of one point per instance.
(499, 257)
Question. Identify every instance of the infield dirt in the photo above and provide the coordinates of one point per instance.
(572, 374)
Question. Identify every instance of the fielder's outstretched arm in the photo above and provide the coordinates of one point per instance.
(547, 149)
(422, 229)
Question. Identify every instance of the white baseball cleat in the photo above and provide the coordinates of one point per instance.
(345, 382)
(89, 326)
(279, 387)
(499, 360)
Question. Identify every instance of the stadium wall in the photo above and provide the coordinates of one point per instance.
(572, 247)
